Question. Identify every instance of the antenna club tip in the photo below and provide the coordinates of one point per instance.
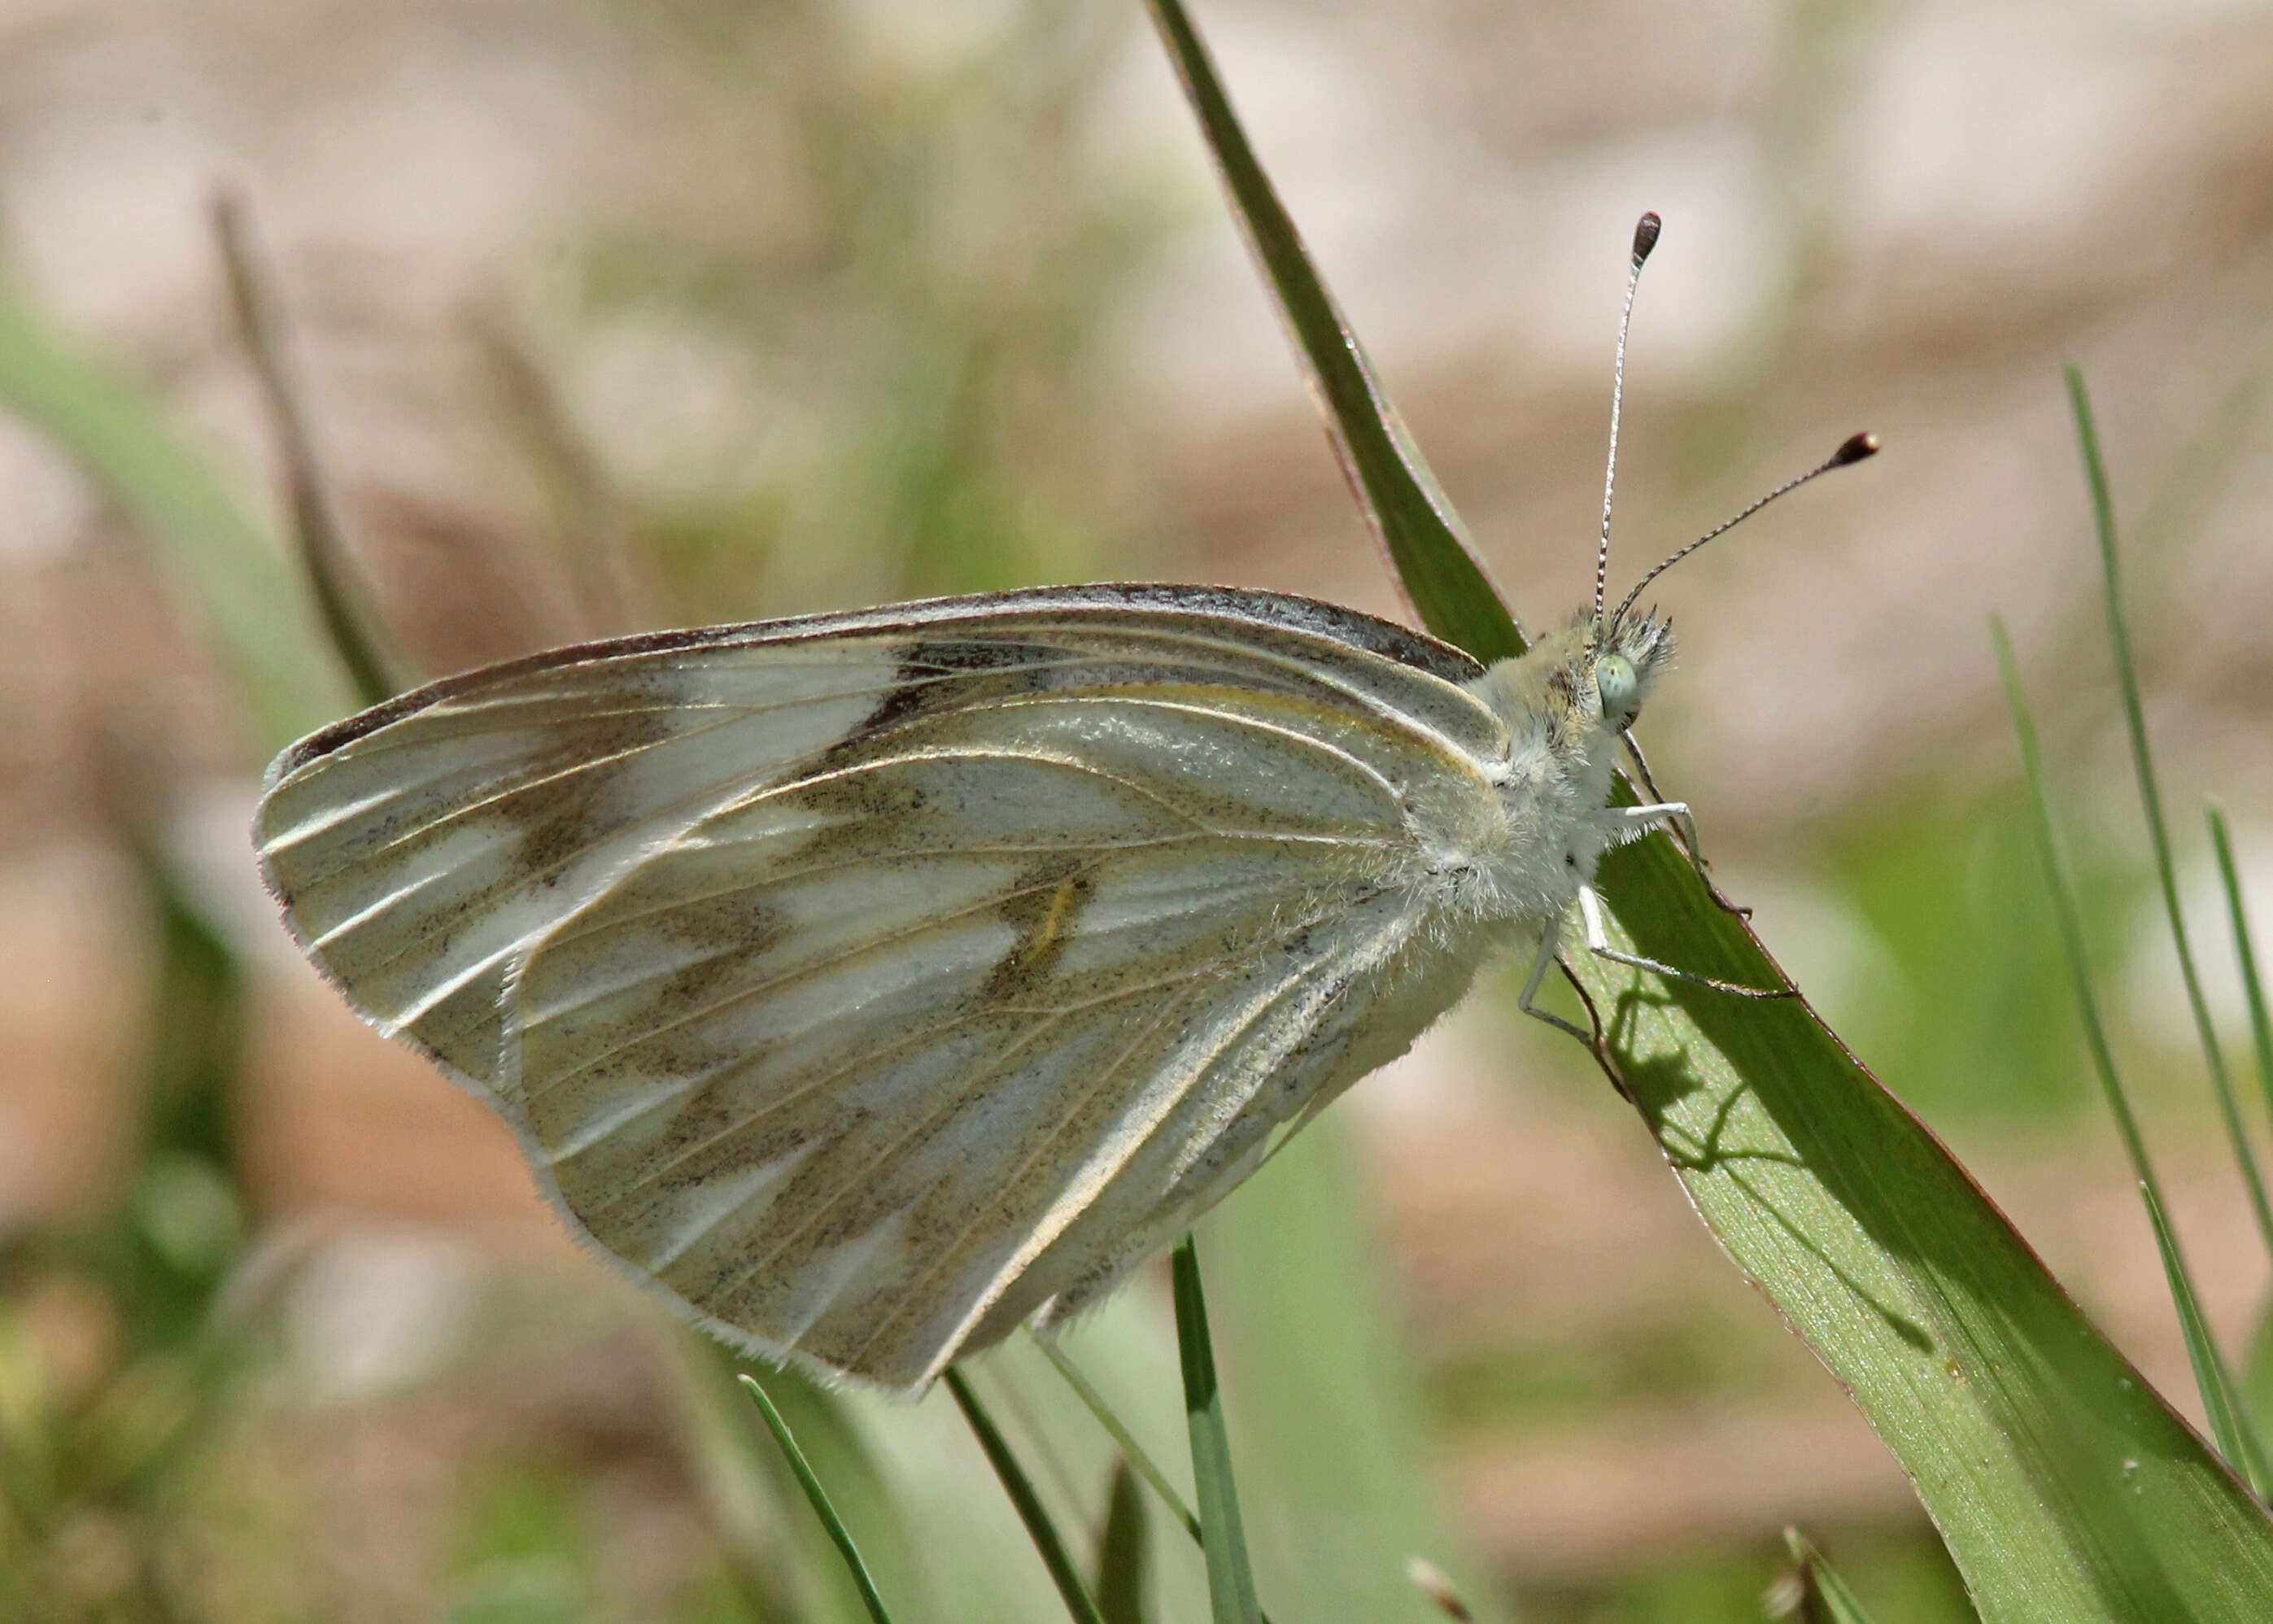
(1855, 448)
(1645, 237)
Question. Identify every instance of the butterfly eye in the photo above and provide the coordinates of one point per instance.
(1618, 689)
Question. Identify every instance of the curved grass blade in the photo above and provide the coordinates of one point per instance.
(841, 1536)
(2229, 1428)
(2063, 1486)
(1134, 1453)
(1231, 1585)
(2245, 952)
(1028, 1504)
(115, 429)
(1400, 500)
(2150, 798)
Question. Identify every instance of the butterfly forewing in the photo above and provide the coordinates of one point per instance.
(419, 857)
(868, 983)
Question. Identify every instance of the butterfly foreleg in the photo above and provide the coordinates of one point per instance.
(1674, 812)
(1677, 813)
(1660, 805)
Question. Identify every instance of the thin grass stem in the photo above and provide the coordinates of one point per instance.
(2151, 799)
(1028, 1504)
(2245, 953)
(2222, 1406)
(2228, 1430)
(818, 1497)
(1135, 1453)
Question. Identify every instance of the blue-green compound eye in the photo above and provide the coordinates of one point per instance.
(1618, 687)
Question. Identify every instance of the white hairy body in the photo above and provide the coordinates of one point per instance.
(870, 984)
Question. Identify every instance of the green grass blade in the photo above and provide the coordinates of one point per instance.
(1134, 1455)
(1231, 1585)
(2062, 893)
(1338, 1439)
(322, 545)
(1824, 1597)
(2229, 1422)
(2245, 953)
(115, 430)
(1121, 1546)
(1131, 1451)
(2228, 1428)
(2063, 1486)
(1020, 1488)
(818, 1497)
(1409, 513)
(2150, 797)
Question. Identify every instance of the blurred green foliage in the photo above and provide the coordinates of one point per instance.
(928, 339)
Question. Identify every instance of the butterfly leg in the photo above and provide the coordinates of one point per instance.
(1550, 940)
(1673, 812)
(1677, 814)
(1598, 943)
(1685, 822)
(1688, 824)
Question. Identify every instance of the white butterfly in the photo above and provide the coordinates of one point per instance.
(872, 982)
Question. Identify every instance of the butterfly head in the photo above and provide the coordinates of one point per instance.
(1582, 685)
(1624, 656)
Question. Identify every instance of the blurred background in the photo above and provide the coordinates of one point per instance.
(620, 314)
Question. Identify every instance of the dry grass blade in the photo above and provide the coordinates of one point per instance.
(315, 518)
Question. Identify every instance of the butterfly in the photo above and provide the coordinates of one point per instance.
(870, 984)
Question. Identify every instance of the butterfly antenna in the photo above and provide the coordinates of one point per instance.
(1645, 238)
(1855, 448)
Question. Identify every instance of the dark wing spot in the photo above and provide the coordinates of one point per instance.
(561, 807)
(934, 676)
